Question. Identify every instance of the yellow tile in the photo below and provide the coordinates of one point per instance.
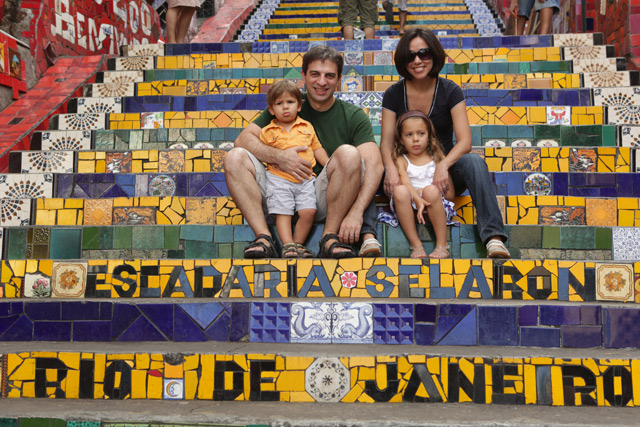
(53, 203)
(46, 217)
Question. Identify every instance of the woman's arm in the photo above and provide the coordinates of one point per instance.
(462, 131)
(387, 138)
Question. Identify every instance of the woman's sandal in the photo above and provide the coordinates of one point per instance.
(290, 250)
(418, 252)
(330, 251)
(251, 251)
(303, 252)
(440, 252)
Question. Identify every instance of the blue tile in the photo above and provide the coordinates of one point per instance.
(240, 313)
(186, 329)
(106, 310)
(539, 337)
(463, 333)
(455, 309)
(497, 326)
(20, 330)
(43, 310)
(582, 336)
(557, 315)
(219, 329)
(203, 313)
(51, 331)
(141, 330)
(591, 314)
(99, 331)
(123, 316)
(161, 316)
(620, 327)
(528, 315)
(7, 321)
(424, 334)
(85, 310)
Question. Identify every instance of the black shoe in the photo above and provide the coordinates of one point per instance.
(388, 11)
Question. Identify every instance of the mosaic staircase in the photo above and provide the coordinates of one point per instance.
(118, 228)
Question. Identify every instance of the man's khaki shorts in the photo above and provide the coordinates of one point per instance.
(348, 13)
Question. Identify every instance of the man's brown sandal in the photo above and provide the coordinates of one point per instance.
(330, 251)
(252, 250)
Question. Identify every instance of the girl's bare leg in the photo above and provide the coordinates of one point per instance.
(403, 19)
(546, 15)
(405, 214)
(437, 215)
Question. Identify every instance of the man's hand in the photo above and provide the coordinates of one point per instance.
(515, 8)
(391, 180)
(291, 162)
(350, 229)
(441, 178)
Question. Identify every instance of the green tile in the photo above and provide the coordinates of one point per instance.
(8, 422)
(238, 250)
(90, 238)
(42, 422)
(609, 136)
(551, 237)
(106, 238)
(146, 237)
(175, 254)
(66, 243)
(223, 233)
(397, 243)
(200, 250)
(16, 243)
(520, 132)
(172, 237)
(579, 237)
(604, 238)
(83, 424)
(548, 131)
(225, 250)
(526, 236)
(201, 233)
(472, 250)
(122, 237)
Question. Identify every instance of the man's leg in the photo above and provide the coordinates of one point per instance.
(347, 32)
(470, 171)
(347, 16)
(241, 175)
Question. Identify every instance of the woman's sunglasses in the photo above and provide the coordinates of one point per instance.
(424, 54)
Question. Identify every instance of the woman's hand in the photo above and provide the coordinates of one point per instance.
(391, 180)
(515, 8)
(441, 178)
(421, 204)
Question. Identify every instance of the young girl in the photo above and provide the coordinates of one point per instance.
(416, 153)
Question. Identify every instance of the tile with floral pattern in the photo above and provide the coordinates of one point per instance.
(69, 279)
(614, 282)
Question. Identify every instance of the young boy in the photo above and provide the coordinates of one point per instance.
(286, 194)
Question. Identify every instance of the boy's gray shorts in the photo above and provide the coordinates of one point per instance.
(286, 198)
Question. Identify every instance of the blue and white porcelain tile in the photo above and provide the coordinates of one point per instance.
(352, 84)
(311, 322)
(26, 186)
(382, 58)
(122, 76)
(62, 140)
(173, 388)
(353, 323)
(607, 79)
(354, 46)
(371, 100)
(47, 161)
(353, 58)
(625, 243)
(565, 40)
(623, 115)
(389, 44)
(614, 282)
(327, 380)
(616, 96)
(594, 65)
(352, 97)
(585, 52)
(99, 105)
(134, 63)
(279, 47)
(143, 50)
(81, 121)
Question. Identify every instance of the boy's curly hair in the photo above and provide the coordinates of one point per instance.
(434, 148)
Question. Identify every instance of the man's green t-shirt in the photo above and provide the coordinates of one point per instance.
(343, 123)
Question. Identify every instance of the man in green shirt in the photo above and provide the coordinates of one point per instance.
(346, 186)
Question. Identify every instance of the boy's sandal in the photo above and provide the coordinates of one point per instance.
(290, 250)
(330, 251)
(497, 249)
(440, 252)
(303, 252)
(418, 252)
(370, 248)
(252, 250)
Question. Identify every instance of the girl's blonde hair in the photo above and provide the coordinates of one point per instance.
(433, 147)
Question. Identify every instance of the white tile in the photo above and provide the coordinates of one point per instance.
(47, 161)
(623, 115)
(353, 323)
(173, 388)
(327, 380)
(143, 50)
(585, 52)
(66, 140)
(69, 279)
(134, 63)
(88, 121)
(616, 96)
(607, 79)
(614, 282)
(123, 76)
(14, 212)
(594, 65)
(110, 89)
(311, 322)
(99, 105)
(559, 115)
(26, 186)
(37, 285)
(585, 39)
(625, 243)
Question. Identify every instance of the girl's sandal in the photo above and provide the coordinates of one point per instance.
(303, 252)
(440, 252)
(418, 252)
(290, 250)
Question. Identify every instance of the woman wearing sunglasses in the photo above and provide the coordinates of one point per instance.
(419, 57)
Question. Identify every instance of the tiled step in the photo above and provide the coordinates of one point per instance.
(241, 118)
(517, 281)
(271, 60)
(498, 159)
(290, 321)
(381, 374)
(491, 135)
(564, 240)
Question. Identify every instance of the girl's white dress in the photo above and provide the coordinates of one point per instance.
(422, 176)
